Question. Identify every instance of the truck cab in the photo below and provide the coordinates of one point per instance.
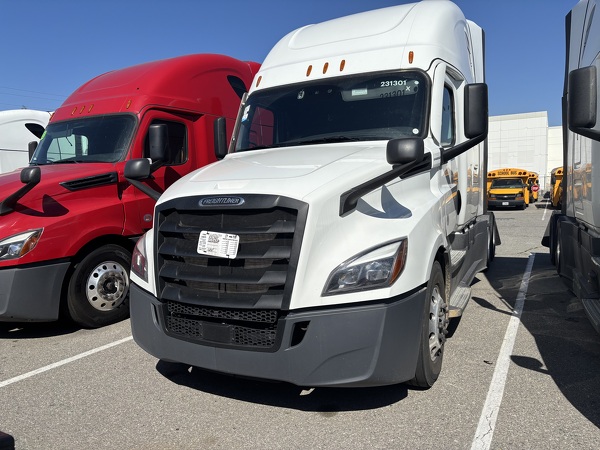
(69, 221)
(19, 127)
(342, 230)
(573, 232)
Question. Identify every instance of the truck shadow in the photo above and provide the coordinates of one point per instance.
(34, 330)
(325, 401)
(568, 344)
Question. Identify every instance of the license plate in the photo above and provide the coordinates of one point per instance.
(504, 203)
(221, 245)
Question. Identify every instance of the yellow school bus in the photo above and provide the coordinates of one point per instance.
(556, 176)
(508, 187)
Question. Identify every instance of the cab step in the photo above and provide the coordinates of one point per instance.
(458, 301)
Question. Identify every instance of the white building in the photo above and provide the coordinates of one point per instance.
(525, 141)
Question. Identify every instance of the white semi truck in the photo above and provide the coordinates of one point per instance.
(573, 233)
(19, 127)
(340, 233)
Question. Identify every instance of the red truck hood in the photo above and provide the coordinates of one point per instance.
(51, 178)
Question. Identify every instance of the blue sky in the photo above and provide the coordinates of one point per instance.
(49, 48)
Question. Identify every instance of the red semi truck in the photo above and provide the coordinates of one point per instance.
(69, 221)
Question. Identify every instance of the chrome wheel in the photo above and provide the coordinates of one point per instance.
(438, 323)
(107, 286)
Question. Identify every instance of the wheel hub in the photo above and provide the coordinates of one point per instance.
(108, 285)
(438, 323)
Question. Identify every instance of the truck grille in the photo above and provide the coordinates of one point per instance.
(506, 197)
(231, 302)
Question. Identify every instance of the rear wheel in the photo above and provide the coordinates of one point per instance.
(98, 292)
(554, 240)
(434, 328)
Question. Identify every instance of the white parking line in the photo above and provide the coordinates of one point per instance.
(545, 211)
(489, 414)
(63, 362)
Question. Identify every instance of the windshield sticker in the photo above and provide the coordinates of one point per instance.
(245, 115)
(221, 245)
(363, 91)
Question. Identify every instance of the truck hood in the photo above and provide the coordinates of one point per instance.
(294, 172)
(51, 178)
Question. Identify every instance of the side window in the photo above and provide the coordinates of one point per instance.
(447, 134)
(177, 147)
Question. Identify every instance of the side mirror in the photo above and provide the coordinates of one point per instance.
(31, 148)
(137, 169)
(582, 102)
(476, 118)
(476, 110)
(158, 138)
(404, 151)
(220, 131)
(31, 175)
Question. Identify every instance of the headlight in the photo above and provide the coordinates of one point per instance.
(492, 195)
(139, 263)
(19, 245)
(376, 268)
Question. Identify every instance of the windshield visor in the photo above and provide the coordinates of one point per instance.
(94, 139)
(380, 106)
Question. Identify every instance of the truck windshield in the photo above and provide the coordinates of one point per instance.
(507, 183)
(380, 106)
(93, 139)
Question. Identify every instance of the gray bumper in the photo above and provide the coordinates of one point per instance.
(368, 345)
(32, 293)
(506, 203)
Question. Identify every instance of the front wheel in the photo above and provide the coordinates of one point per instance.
(98, 292)
(434, 328)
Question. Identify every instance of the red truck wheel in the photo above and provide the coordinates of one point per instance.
(98, 292)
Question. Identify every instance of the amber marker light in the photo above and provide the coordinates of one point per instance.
(411, 56)
(309, 70)
(400, 261)
(342, 64)
(128, 104)
(325, 67)
(90, 108)
(258, 81)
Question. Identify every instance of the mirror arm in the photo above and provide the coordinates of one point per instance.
(349, 199)
(453, 152)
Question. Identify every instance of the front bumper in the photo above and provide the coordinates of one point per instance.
(31, 293)
(506, 203)
(368, 345)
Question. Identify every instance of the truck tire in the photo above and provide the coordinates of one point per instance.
(98, 292)
(554, 240)
(434, 328)
(557, 247)
(491, 242)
